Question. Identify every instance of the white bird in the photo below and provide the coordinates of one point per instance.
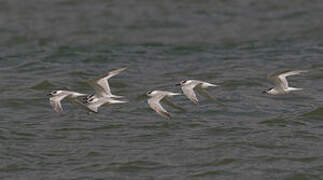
(188, 87)
(101, 85)
(281, 83)
(58, 95)
(154, 101)
(95, 103)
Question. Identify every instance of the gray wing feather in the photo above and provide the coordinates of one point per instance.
(189, 93)
(280, 80)
(169, 103)
(202, 92)
(154, 103)
(283, 76)
(93, 107)
(55, 102)
(101, 85)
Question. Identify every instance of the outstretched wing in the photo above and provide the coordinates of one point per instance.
(205, 94)
(283, 76)
(188, 90)
(93, 107)
(55, 102)
(280, 80)
(101, 84)
(169, 103)
(274, 78)
(154, 103)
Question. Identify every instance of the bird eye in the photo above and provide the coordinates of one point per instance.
(54, 92)
(149, 92)
(91, 100)
(184, 81)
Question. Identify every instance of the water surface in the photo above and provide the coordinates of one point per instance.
(60, 44)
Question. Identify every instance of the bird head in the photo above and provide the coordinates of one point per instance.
(150, 93)
(184, 82)
(55, 93)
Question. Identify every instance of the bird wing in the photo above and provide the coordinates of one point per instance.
(280, 80)
(154, 103)
(188, 90)
(206, 84)
(93, 107)
(101, 84)
(283, 76)
(204, 93)
(55, 102)
(169, 103)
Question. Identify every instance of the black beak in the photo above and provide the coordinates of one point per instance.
(49, 94)
(178, 84)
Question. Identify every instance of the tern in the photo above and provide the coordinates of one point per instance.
(154, 101)
(281, 84)
(101, 85)
(188, 87)
(57, 96)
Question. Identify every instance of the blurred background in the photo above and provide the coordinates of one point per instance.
(60, 44)
(48, 24)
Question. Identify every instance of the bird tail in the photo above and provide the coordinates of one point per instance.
(118, 101)
(294, 89)
(212, 85)
(175, 94)
(115, 96)
(205, 85)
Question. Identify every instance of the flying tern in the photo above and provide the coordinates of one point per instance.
(101, 85)
(281, 84)
(57, 96)
(156, 97)
(188, 87)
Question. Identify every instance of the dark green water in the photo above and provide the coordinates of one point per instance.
(47, 45)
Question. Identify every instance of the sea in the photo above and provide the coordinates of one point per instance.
(48, 45)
